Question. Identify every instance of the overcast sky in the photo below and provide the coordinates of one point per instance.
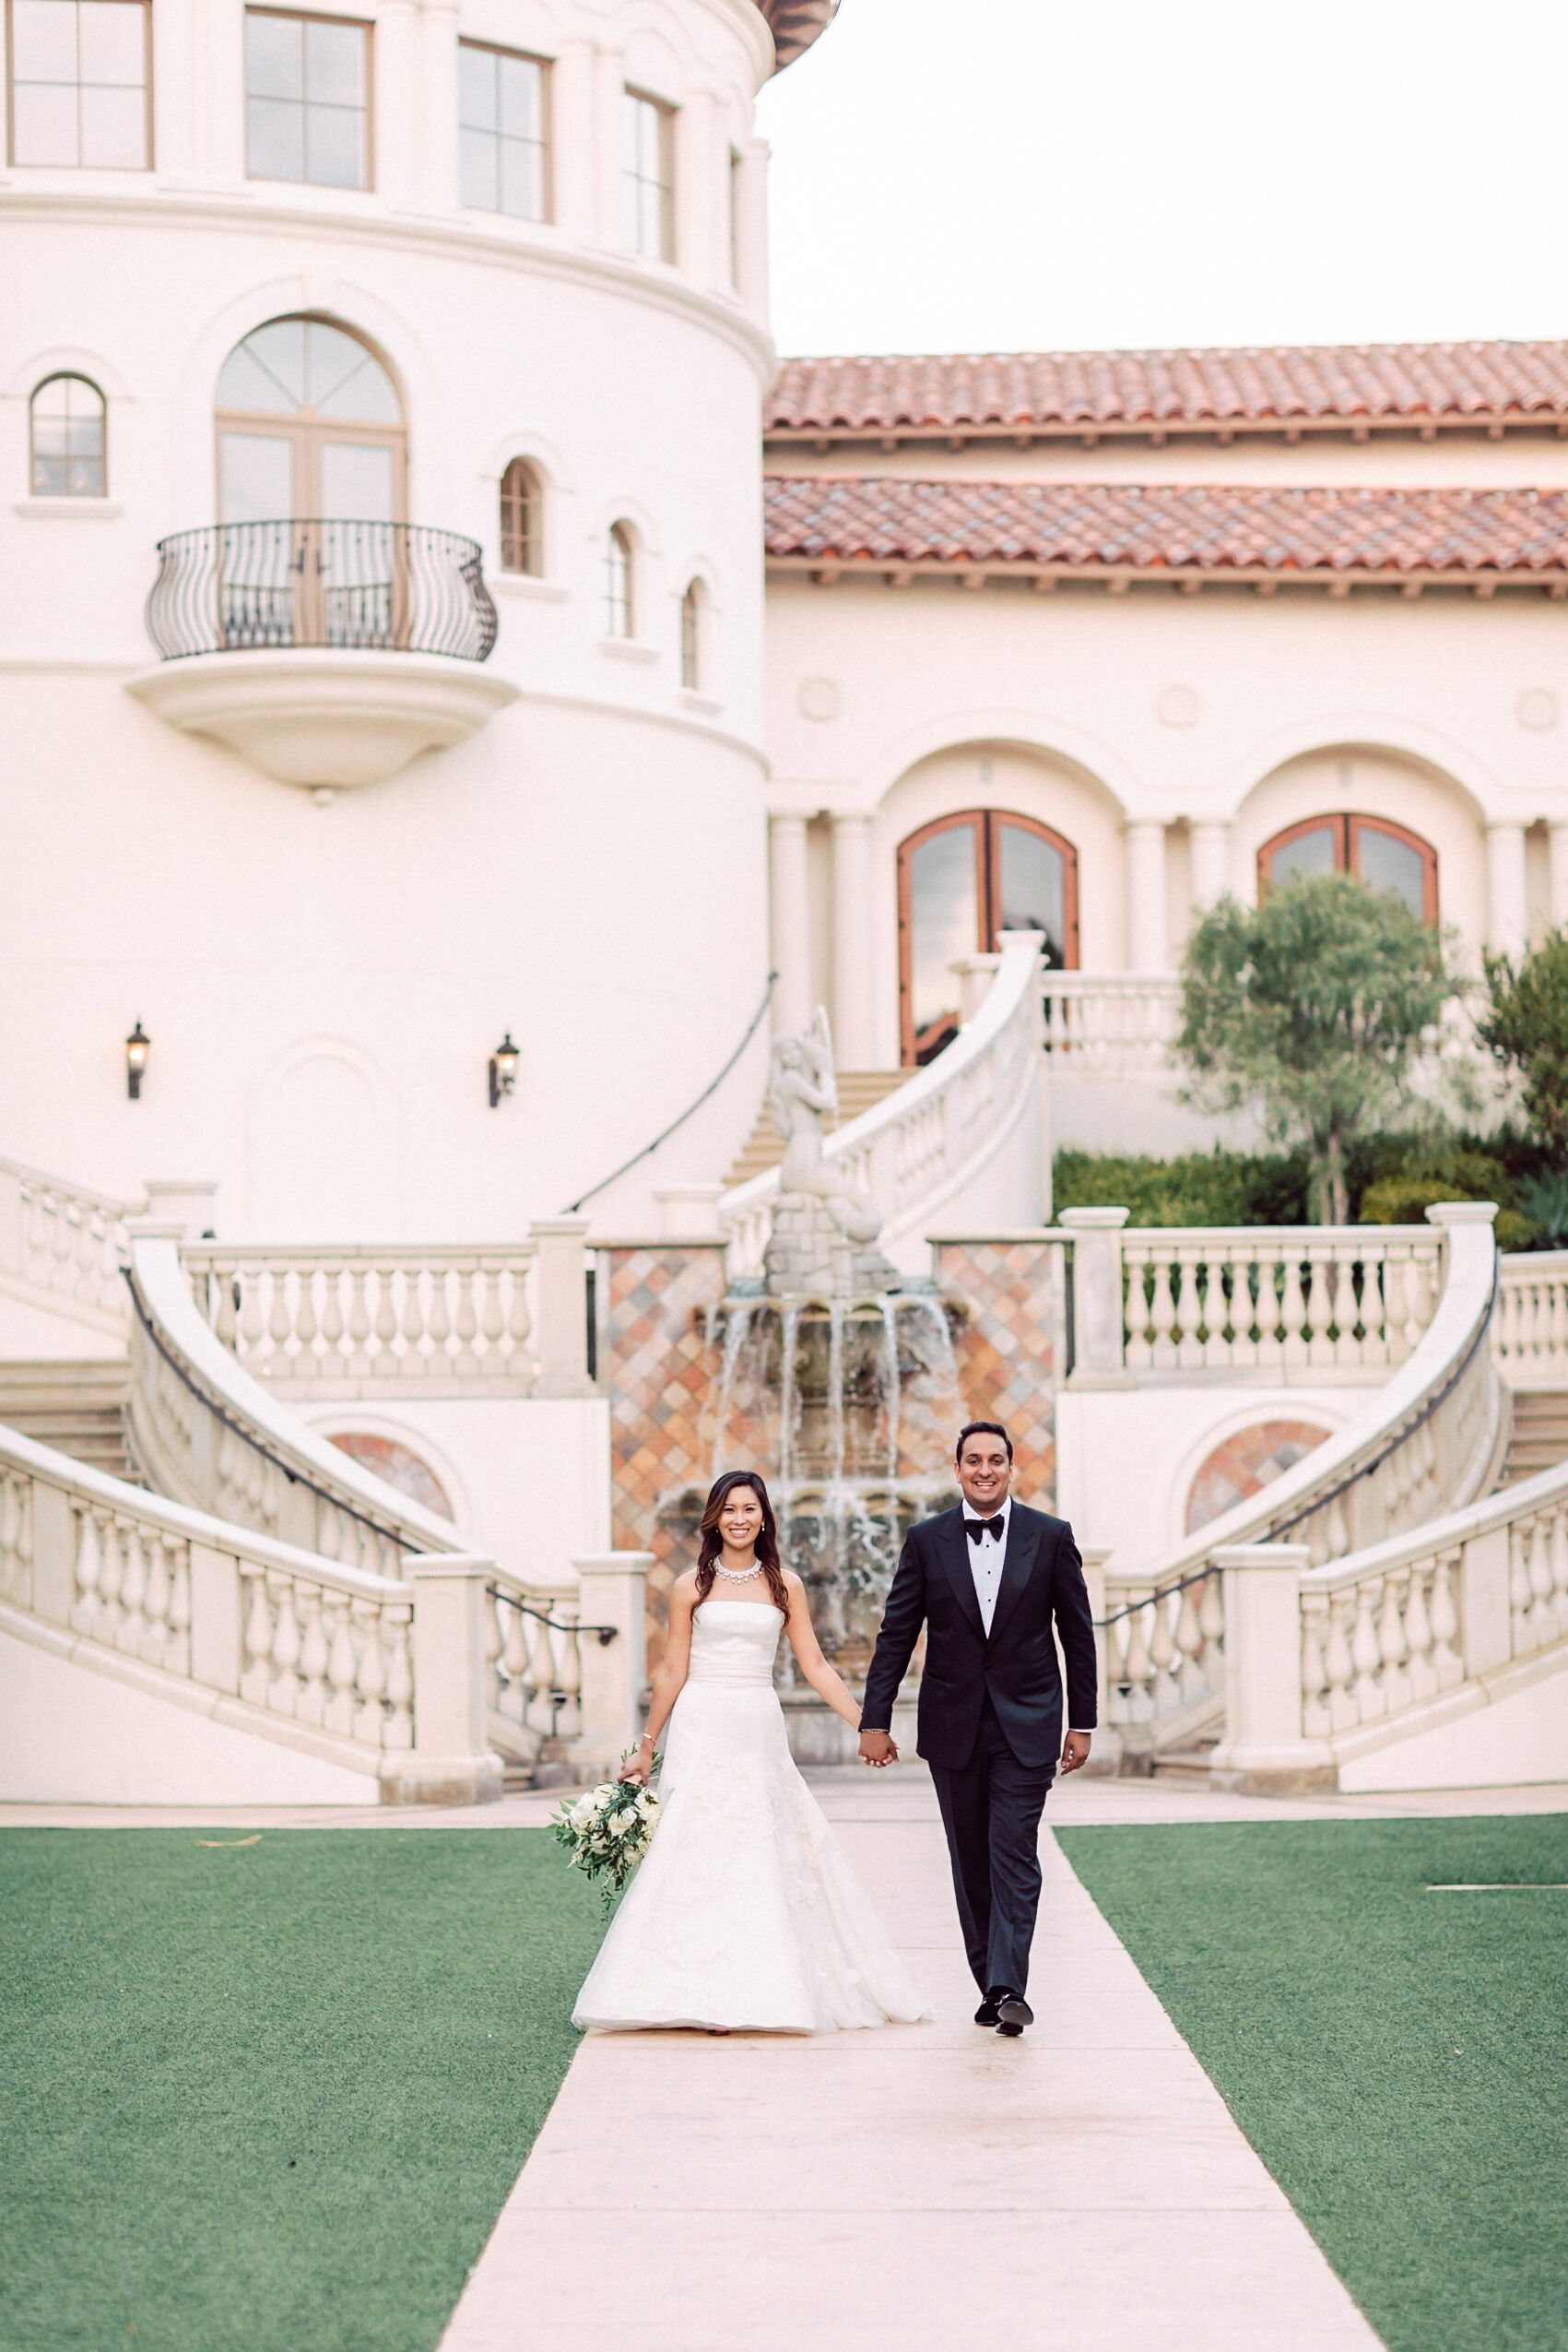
(954, 175)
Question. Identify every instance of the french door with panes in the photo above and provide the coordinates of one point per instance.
(310, 466)
(963, 881)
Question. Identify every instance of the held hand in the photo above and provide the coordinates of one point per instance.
(877, 1748)
(1075, 1751)
(635, 1769)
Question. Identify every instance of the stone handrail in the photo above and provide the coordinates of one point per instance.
(1426, 1442)
(61, 1244)
(1110, 1023)
(364, 1320)
(203, 1430)
(1530, 1335)
(929, 1141)
(1293, 1301)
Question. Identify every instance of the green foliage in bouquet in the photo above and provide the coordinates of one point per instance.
(607, 1832)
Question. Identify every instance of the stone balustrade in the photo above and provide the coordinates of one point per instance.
(1113, 1024)
(1430, 1439)
(60, 1247)
(1530, 1333)
(929, 1144)
(404, 1319)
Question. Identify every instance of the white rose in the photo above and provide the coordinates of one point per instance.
(647, 1804)
(581, 1814)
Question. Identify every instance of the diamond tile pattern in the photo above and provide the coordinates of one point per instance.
(878, 519)
(1008, 1348)
(1248, 1460)
(1310, 383)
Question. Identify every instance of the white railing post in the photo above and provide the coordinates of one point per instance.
(183, 1204)
(612, 1590)
(560, 1296)
(449, 1763)
(1265, 1746)
(1099, 1355)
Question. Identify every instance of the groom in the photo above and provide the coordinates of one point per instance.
(987, 1582)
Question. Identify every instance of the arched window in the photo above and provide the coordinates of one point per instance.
(962, 882)
(1387, 856)
(312, 457)
(520, 518)
(621, 611)
(691, 636)
(68, 452)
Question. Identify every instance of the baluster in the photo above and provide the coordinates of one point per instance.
(399, 1731)
(338, 1704)
(439, 1318)
(155, 1601)
(133, 1587)
(468, 1324)
(177, 1650)
(1366, 1651)
(252, 1327)
(1218, 1345)
(1293, 1347)
(1314, 1673)
(87, 1605)
(254, 1674)
(1519, 1595)
(488, 1274)
(1559, 1568)
(1245, 1311)
(569, 1667)
(414, 1361)
(518, 1322)
(371, 1680)
(1322, 1303)
(1338, 1662)
(1558, 1343)
(387, 1322)
(15, 1547)
(541, 1663)
(1188, 1639)
(1445, 1657)
(222, 1290)
(496, 1686)
(283, 1692)
(1212, 1623)
(1543, 1612)
(358, 1318)
(1391, 1640)
(1137, 1670)
(312, 1704)
(1189, 1309)
(1375, 1271)
(334, 1355)
(1138, 1344)
(1417, 1633)
(1162, 1351)
(305, 1366)
(110, 1574)
(279, 1324)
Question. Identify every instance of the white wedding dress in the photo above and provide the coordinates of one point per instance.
(744, 1914)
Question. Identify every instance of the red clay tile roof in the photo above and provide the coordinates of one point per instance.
(1321, 384)
(817, 520)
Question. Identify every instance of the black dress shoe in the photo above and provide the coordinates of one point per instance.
(1013, 2013)
(987, 2014)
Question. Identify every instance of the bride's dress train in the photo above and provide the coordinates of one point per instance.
(745, 1913)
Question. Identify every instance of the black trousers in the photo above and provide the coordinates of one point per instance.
(991, 1812)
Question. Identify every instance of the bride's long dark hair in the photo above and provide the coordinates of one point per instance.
(766, 1545)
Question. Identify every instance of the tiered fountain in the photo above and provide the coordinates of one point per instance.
(838, 1381)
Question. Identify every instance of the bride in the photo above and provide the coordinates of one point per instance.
(745, 1915)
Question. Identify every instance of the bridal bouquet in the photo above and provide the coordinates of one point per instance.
(608, 1832)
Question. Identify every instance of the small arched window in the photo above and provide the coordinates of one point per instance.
(621, 612)
(1386, 856)
(520, 519)
(691, 636)
(68, 453)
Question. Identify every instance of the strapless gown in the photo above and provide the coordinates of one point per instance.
(745, 1912)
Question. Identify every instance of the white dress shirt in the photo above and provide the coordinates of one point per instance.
(987, 1556)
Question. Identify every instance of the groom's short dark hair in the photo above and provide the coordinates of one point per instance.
(982, 1428)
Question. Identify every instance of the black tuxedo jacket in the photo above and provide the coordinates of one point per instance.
(1042, 1581)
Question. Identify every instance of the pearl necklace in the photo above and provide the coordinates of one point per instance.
(738, 1575)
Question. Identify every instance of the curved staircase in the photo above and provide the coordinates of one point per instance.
(78, 1408)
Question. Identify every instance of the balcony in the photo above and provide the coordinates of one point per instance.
(327, 652)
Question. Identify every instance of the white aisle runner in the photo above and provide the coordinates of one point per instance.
(920, 2189)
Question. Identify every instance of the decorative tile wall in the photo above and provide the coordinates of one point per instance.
(1009, 1347)
(1247, 1460)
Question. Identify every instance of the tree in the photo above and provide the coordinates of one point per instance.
(1525, 1023)
(1314, 1008)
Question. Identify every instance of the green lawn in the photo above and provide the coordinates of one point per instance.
(270, 2096)
(1398, 2059)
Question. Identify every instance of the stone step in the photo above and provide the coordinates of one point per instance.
(76, 1408)
(1540, 1437)
(859, 1090)
(1185, 1766)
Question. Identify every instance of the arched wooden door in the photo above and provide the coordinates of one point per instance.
(963, 881)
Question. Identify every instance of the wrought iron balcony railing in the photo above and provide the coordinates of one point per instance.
(390, 587)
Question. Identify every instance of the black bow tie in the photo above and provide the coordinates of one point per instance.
(977, 1528)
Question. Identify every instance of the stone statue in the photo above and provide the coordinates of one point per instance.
(824, 1232)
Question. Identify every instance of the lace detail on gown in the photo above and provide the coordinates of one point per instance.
(745, 1912)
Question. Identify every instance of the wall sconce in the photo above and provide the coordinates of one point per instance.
(503, 1070)
(139, 1045)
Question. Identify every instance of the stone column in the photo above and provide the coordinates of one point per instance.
(1264, 1747)
(852, 968)
(438, 105)
(610, 93)
(1210, 862)
(751, 225)
(1506, 918)
(697, 189)
(1099, 1350)
(792, 924)
(449, 1763)
(572, 126)
(612, 1588)
(975, 975)
(1558, 908)
(561, 1308)
(1147, 948)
